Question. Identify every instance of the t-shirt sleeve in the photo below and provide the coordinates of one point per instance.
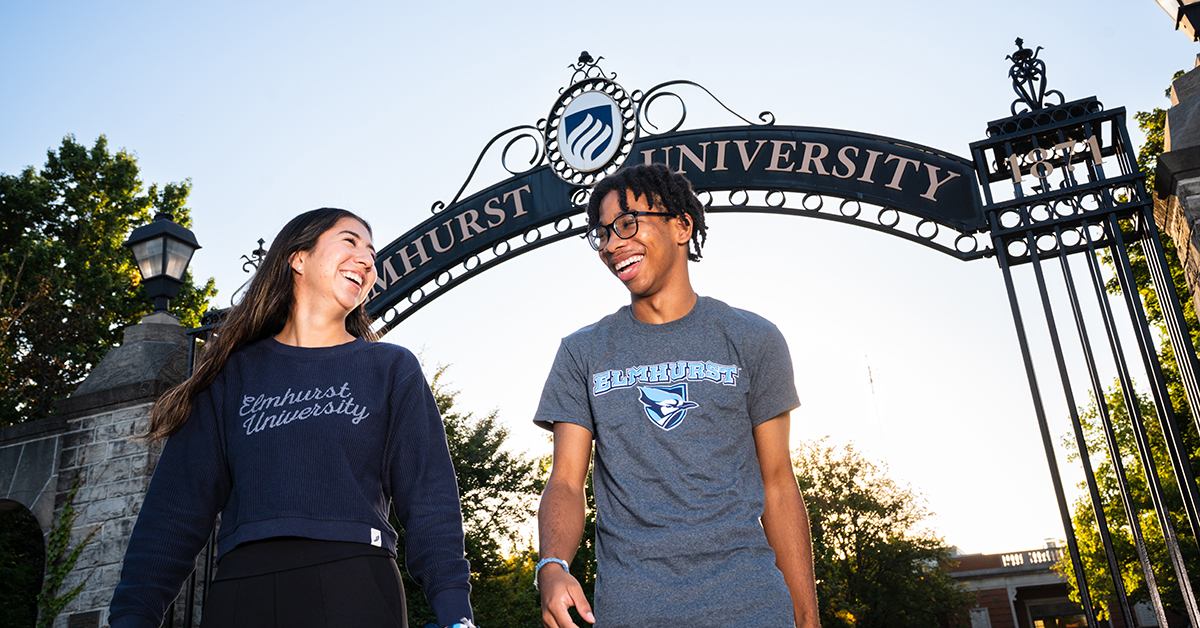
(772, 381)
(565, 395)
(190, 486)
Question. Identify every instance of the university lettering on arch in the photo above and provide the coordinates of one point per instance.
(916, 179)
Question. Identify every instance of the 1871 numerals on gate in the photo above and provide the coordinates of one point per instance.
(1039, 159)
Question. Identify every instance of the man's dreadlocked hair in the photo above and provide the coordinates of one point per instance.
(663, 190)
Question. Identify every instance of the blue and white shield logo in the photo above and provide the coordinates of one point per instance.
(587, 136)
(666, 406)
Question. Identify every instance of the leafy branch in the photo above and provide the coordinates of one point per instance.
(60, 560)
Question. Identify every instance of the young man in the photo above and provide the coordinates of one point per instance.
(688, 401)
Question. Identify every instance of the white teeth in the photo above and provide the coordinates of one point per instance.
(626, 262)
(352, 277)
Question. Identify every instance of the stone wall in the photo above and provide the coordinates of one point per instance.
(113, 473)
(91, 442)
(1177, 176)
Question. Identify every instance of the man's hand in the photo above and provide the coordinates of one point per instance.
(560, 591)
(560, 525)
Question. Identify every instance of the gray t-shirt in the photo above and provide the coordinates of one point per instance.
(678, 488)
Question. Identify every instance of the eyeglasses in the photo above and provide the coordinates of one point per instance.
(625, 226)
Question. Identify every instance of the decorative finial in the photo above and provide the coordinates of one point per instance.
(1028, 74)
(588, 67)
(258, 254)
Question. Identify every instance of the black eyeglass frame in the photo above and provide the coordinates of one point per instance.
(593, 235)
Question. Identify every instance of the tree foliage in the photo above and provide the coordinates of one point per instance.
(1087, 534)
(498, 490)
(875, 563)
(67, 285)
(1154, 124)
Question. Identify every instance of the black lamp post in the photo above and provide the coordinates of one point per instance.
(162, 250)
(1186, 14)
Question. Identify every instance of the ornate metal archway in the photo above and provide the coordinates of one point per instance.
(1057, 180)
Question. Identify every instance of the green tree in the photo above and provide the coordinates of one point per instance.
(875, 565)
(499, 491)
(1087, 535)
(67, 285)
(1096, 568)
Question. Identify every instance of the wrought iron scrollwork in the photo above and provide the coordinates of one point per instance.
(1028, 74)
(514, 135)
(644, 100)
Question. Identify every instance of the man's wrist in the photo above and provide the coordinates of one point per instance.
(546, 561)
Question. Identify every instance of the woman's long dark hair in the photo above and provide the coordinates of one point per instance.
(262, 312)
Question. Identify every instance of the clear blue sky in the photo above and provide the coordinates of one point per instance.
(275, 108)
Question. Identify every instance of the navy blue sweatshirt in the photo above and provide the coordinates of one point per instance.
(305, 442)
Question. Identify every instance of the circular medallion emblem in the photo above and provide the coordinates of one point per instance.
(590, 131)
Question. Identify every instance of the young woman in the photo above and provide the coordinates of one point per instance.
(299, 430)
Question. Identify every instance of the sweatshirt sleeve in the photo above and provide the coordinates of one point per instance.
(425, 496)
(190, 486)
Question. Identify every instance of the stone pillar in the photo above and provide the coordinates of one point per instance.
(1177, 178)
(113, 471)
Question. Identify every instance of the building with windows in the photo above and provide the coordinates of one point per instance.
(1023, 590)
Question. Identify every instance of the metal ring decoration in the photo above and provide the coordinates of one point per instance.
(537, 235)
(923, 223)
(580, 197)
(467, 264)
(439, 281)
(625, 133)
(416, 295)
(782, 198)
(1040, 212)
(1022, 249)
(1009, 218)
(958, 243)
(560, 229)
(745, 198)
(820, 202)
(887, 223)
(496, 248)
(857, 208)
(1072, 205)
(394, 313)
(707, 200)
(1041, 242)
(1075, 240)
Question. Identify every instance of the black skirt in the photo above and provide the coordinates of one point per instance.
(305, 583)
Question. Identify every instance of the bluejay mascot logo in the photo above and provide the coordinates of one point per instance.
(666, 406)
